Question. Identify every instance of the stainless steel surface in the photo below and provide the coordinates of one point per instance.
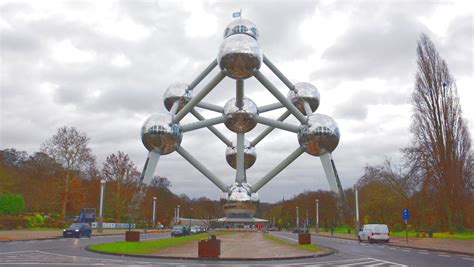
(278, 73)
(240, 176)
(203, 124)
(150, 166)
(320, 136)
(210, 106)
(239, 94)
(241, 26)
(277, 124)
(239, 56)
(203, 74)
(276, 93)
(250, 155)
(269, 129)
(240, 120)
(304, 92)
(270, 107)
(269, 176)
(199, 96)
(212, 129)
(239, 201)
(177, 92)
(213, 178)
(160, 135)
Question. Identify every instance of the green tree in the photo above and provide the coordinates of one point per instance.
(11, 203)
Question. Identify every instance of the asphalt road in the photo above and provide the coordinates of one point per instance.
(70, 252)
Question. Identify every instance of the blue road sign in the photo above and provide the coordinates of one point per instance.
(405, 214)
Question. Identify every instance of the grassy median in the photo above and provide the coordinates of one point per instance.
(310, 247)
(149, 246)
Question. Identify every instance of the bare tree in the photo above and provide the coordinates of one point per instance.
(123, 176)
(440, 152)
(69, 147)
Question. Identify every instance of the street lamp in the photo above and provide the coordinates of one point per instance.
(101, 218)
(317, 215)
(190, 219)
(357, 222)
(154, 210)
(297, 217)
(177, 214)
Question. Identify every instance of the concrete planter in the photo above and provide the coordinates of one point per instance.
(132, 236)
(304, 238)
(210, 248)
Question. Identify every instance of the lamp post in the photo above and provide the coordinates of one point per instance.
(357, 222)
(317, 215)
(154, 211)
(174, 218)
(177, 214)
(101, 218)
(297, 217)
(190, 219)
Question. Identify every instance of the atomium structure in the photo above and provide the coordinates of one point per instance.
(240, 57)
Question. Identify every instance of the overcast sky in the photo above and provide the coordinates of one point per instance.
(103, 67)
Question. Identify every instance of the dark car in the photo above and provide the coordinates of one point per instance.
(78, 230)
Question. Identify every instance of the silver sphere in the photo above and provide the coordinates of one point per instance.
(160, 135)
(243, 26)
(240, 56)
(177, 92)
(240, 120)
(239, 201)
(304, 92)
(320, 136)
(250, 155)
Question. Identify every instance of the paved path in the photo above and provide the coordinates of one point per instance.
(240, 245)
(6, 235)
(70, 252)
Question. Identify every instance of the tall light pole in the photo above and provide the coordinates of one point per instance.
(101, 205)
(317, 215)
(357, 222)
(177, 214)
(154, 211)
(297, 217)
(174, 219)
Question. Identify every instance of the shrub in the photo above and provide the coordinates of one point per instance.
(12, 222)
(11, 203)
(35, 220)
(55, 223)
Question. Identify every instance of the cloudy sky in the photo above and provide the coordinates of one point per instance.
(103, 67)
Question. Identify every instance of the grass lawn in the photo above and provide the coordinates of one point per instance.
(149, 246)
(310, 247)
(466, 235)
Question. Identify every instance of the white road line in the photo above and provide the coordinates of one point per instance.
(425, 253)
(443, 255)
(390, 262)
(469, 259)
(364, 263)
(406, 250)
(20, 251)
(286, 238)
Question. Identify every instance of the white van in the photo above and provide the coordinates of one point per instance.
(374, 232)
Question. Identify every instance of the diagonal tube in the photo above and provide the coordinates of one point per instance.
(239, 94)
(210, 106)
(269, 129)
(212, 128)
(203, 74)
(307, 108)
(269, 107)
(282, 165)
(278, 73)
(150, 166)
(275, 92)
(201, 168)
(277, 124)
(240, 178)
(199, 96)
(203, 123)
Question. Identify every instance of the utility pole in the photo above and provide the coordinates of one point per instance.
(177, 214)
(154, 211)
(297, 217)
(357, 222)
(317, 215)
(101, 205)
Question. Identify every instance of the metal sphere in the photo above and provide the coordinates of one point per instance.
(240, 56)
(239, 201)
(240, 120)
(177, 92)
(160, 135)
(320, 136)
(241, 26)
(250, 155)
(304, 92)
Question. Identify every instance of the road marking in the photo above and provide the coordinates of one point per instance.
(286, 238)
(406, 250)
(425, 253)
(443, 255)
(469, 259)
(20, 251)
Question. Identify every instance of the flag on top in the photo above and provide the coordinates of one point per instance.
(237, 14)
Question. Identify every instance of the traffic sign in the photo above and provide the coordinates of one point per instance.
(405, 214)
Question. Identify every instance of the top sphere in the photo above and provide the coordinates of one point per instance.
(320, 136)
(177, 92)
(304, 92)
(243, 26)
(160, 135)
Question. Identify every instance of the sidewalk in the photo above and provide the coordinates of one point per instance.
(10, 235)
(442, 244)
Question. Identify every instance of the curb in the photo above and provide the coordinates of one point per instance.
(316, 255)
(46, 238)
(402, 246)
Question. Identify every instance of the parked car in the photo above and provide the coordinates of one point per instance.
(179, 230)
(78, 230)
(300, 230)
(195, 229)
(374, 232)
